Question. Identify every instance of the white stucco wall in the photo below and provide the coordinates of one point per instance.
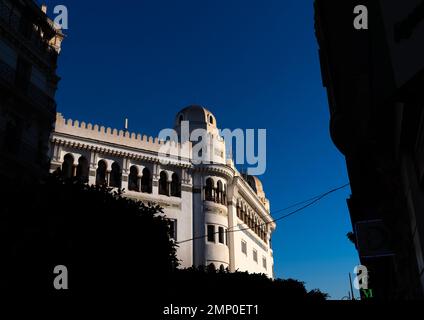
(191, 211)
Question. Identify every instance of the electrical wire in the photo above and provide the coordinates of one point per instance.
(310, 202)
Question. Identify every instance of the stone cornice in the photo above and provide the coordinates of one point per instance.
(216, 169)
(114, 150)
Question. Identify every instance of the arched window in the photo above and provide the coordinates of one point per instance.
(68, 166)
(211, 268)
(82, 169)
(101, 173)
(163, 183)
(133, 179)
(224, 195)
(146, 181)
(180, 119)
(221, 235)
(115, 176)
(210, 119)
(209, 189)
(175, 186)
(218, 192)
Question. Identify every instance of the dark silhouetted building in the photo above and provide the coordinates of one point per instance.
(29, 48)
(374, 81)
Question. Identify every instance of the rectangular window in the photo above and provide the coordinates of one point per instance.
(255, 255)
(226, 237)
(5, 10)
(211, 233)
(23, 74)
(221, 234)
(8, 55)
(39, 79)
(13, 136)
(244, 247)
(15, 20)
(173, 229)
(264, 262)
(9, 14)
(25, 27)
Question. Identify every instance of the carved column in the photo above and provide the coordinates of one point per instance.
(107, 177)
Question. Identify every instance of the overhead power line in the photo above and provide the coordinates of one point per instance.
(309, 202)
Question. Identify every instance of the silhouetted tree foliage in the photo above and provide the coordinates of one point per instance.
(352, 237)
(112, 245)
(205, 284)
(106, 241)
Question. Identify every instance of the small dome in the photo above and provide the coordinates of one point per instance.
(255, 184)
(257, 187)
(196, 115)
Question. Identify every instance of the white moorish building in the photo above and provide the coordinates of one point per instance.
(223, 214)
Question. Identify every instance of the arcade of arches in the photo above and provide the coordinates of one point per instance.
(137, 181)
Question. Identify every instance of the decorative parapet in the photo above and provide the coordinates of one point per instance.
(83, 130)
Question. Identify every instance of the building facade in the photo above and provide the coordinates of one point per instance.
(218, 215)
(374, 79)
(29, 48)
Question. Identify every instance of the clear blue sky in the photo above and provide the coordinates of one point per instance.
(254, 64)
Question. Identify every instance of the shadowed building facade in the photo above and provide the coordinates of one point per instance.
(29, 48)
(374, 80)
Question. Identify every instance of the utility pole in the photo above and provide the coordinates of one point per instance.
(351, 288)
